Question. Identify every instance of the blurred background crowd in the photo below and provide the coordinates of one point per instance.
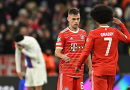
(44, 19)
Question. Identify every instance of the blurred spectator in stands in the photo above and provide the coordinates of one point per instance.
(12, 8)
(31, 7)
(124, 4)
(3, 31)
(55, 32)
(21, 19)
(127, 16)
(127, 19)
(59, 15)
(9, 44)
(46, 15)
(50, 65)
(48, 43)
(90, 25)
(2, 13)
(24, 31)
(48, 49)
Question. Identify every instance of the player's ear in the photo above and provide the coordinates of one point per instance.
(68, 18)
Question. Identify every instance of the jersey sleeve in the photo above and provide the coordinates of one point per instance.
(60, 41)
(125, 36)
(87, 50)
(17, 59)
(31, 55)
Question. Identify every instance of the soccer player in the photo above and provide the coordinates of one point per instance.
(104, 42)
(36, 69)
(69, 46)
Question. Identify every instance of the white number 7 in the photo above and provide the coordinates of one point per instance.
(109, 44)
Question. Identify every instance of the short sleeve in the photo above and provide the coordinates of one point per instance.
(60, 41)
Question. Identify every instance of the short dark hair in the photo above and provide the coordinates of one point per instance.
(102, 13)
(18, 37)
(74, 11)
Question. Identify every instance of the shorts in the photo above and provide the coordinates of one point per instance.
(35, 77)
(104, 82)
(69, 83)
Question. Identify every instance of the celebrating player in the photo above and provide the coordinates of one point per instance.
(104, 42)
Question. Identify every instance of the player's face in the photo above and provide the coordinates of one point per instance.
(74, 20)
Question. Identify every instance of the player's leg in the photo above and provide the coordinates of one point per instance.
(64, 82)
(99, 83)
(29, 88)
(38, 78)
(28, 79)
(110, 82)
(38, 88)
(78, 84)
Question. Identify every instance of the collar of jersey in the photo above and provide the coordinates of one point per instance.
(73, 31)
(103, 26)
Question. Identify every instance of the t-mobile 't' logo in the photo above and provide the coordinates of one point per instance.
(73, 46)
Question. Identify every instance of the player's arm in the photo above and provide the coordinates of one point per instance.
(125, 36)
(18, 62)
(61, 56)
(31, 55)
(27, 53)
(59, 47)
(121, 25)
(86, 51)
(89, 64)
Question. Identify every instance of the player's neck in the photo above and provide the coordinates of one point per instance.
(73, 29)
(99, 25)
(102, 25)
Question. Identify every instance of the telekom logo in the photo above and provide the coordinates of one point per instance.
(73, 46)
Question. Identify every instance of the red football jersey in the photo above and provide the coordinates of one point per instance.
(104, 42)
(72, 43)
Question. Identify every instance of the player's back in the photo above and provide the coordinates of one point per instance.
(34, 50)
(105, 50)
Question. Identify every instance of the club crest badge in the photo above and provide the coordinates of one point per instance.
(58, 39)
(82, 37)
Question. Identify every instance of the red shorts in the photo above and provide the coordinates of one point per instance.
(104, 82)
(69, 83)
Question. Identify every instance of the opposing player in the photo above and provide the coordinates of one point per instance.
(69, 45)
(36, 70)
(104, 42)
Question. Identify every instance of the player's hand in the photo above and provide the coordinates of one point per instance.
(116, 21)
(20, 75)
(20, 47)
(77, 69)
(65, 57)
(90, 74)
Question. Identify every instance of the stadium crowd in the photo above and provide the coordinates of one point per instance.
(44, 19)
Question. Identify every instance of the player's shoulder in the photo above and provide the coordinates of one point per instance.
(29, 38)
(82, 30)
(113, 29)
(64, 30)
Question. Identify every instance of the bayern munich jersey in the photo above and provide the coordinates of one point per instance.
(104, 42)
(72, 43)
